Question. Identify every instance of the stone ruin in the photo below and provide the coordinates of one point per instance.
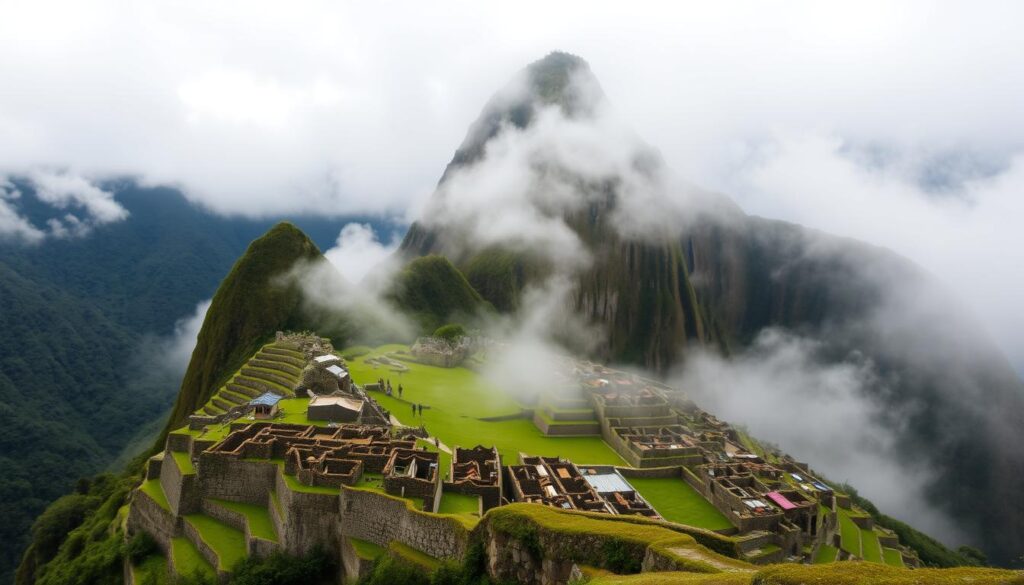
(439, 352)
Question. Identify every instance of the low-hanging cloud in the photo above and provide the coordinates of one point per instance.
(358, 250)
(963, 230)
(819, 410)
(80, 204)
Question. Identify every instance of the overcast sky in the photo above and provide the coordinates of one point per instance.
(898, 123)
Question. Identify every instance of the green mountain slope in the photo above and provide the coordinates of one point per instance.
(434, 292)
(251, 304)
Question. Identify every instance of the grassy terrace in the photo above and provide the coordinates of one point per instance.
(256, 517)
(410, 554)
(458, 398)
(523, 519)
(187, 560)
(154, 490)
(870, 547)
(458, 504)
(297, 486)
(227, 542)
(184, 462)
(678, 502)
(366, 549)
(892, 557)
(826, 554)
(849, 533)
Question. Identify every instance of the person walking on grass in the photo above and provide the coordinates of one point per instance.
(414, 410)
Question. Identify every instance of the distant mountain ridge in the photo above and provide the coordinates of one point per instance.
(725, 276)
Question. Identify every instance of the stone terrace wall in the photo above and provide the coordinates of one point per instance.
(230, 478)
(256, 547)
(182, 490)
(148, 516)
(204, 549)
(380, 519)
(309, 519)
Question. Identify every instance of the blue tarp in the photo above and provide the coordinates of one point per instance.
(267, 399)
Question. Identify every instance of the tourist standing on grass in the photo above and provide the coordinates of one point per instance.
(399, 390)
(414, 410)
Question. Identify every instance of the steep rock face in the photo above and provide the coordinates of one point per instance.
(723, 277)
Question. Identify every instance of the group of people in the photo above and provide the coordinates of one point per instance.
(386, 386)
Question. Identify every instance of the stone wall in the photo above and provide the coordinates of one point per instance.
(353, 565)
(230, 478)
(145, 515)
(565, 428)
(256, 547)
(310, 519)
(378, 518)
(651, 472)
(204, 549)
(182, 490)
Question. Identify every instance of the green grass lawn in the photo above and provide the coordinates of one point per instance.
(826, 554)
(849, 533)
(227, 542)
(892, 557)
(870, 547)
(257, 517)
(452, 503)
(366, 549)
(188, 561)
(154, 490)
(456, 390)
(184, 462)
(458, 397)
(678, 502)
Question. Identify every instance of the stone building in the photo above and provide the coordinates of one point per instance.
(477, 472)
(343, 409)
(413, 473)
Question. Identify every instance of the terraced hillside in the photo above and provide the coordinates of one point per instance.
(276, 367)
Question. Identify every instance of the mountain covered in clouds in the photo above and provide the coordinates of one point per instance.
(550, 192)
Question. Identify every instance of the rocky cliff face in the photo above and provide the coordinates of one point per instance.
(710, 276)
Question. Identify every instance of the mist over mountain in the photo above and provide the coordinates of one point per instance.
(98, 328)
(550, 186)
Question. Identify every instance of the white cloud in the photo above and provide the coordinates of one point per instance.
(179, 347)
(12, 225)
(358, 251)
(969, 238)
(61, 191)
(819, 412)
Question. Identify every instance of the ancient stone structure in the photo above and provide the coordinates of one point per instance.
(441, 352)
(477, 472)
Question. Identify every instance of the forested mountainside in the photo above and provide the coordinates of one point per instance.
(721, 277)
(86, 325)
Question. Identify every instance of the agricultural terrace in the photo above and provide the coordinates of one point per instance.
(677, 501)
(455, 402)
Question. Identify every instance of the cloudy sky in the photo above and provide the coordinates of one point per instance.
(897, 123)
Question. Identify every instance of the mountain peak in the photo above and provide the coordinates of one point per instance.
(559, 79)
